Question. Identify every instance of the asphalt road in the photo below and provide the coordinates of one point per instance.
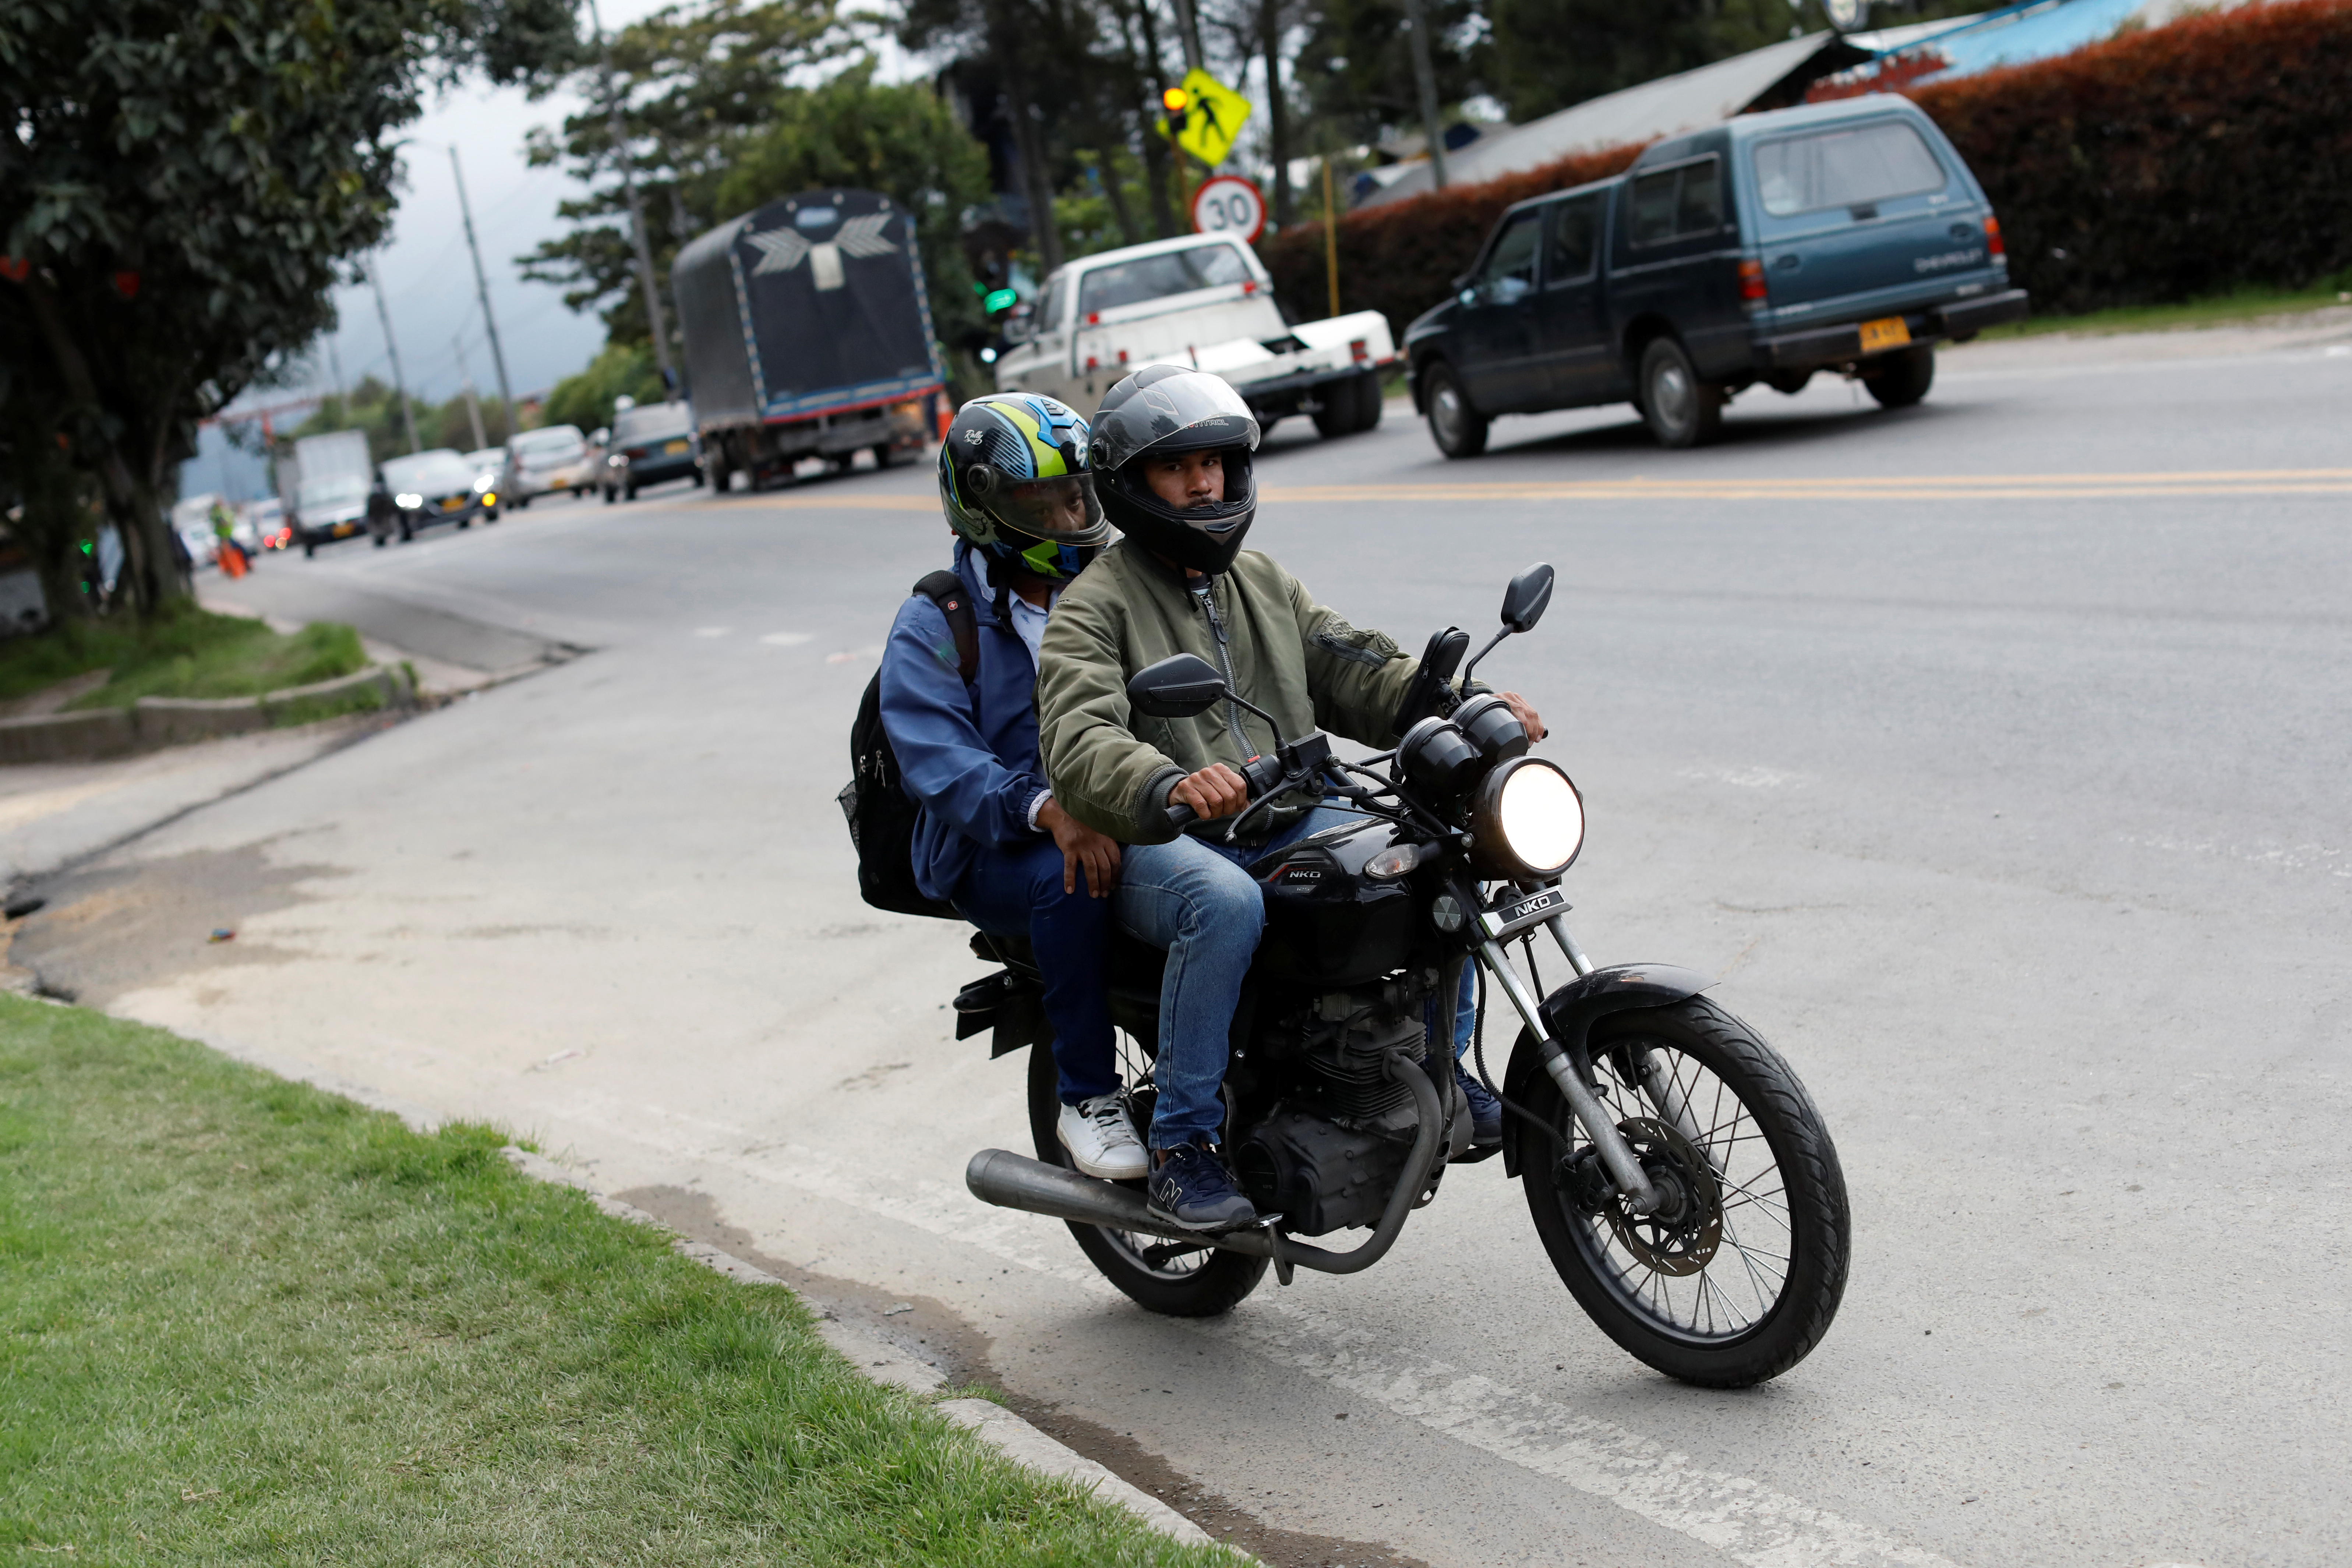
(1993, 753)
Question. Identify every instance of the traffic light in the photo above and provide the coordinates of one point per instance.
(1178, 104)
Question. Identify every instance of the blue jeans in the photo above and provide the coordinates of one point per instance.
(1192, 897)
(1018, 892)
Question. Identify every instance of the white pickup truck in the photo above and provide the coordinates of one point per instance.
(1202, 300)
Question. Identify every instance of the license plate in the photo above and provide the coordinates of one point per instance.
(454, 503)
(674, 447)
(1506, 918)
(1887, 333)
(345, 530)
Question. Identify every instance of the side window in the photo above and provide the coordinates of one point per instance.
(1049, 309)
(1653, 208)
(1674, 203)
(1575, 235)
(1511, 269)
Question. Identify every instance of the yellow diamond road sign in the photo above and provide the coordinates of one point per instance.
(1212, 122)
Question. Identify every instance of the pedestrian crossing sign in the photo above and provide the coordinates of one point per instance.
(1212, 119)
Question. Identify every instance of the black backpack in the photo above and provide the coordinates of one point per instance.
(881, 817)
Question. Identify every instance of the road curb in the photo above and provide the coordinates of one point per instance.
(154, 722)
(882, 1362)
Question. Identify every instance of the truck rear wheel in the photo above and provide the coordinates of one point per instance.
(1459, 430)
(1368, 401)
(1681, 409)
(1902, 377)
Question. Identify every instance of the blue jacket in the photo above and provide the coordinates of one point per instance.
(968, 754)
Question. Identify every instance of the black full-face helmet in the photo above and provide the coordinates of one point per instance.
(1164, 411)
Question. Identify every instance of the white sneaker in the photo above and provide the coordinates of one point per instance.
(1102, 1140)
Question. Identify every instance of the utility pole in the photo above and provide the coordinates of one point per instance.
(1189, 35)
(1425, 74)
(473, 403)
(490, 323)
(636, 208)
(399, 382)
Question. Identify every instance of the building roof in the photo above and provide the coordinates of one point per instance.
(1684, 101)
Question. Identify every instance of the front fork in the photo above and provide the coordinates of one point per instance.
(1616, 1156)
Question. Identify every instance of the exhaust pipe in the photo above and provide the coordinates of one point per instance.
(1014, 1182)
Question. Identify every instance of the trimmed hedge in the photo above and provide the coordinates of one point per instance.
(2185, 160)
(2165, 163)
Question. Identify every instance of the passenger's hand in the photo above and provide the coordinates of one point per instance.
(1081, 846)
(1525, 713)
(1215, 791)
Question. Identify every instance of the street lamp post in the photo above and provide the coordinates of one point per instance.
(1424, 75)
(399, 382)
(482, 287)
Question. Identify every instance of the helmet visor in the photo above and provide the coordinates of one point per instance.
(1178, 414)
(1062, 509)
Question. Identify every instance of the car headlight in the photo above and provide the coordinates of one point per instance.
(489, 497)
(1527, 823)
(409, 501)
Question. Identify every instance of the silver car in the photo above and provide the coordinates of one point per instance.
(540, 462)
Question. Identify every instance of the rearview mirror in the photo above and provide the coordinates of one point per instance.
(1177, 687)
(1525, 600)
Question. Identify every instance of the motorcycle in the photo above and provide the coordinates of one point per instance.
(1678, 1174)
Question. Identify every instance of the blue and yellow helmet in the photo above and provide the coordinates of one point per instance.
(1015, 484)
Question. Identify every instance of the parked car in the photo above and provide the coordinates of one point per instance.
(1845, 236)
(540, 462)
(488, 466)
(1205, 302)
(651, 443)
(427, 488)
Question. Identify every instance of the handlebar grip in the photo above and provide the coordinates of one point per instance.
(1180, 816)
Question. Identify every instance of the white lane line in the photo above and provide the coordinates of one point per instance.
(787, 639)
(712, 631)
(1749, 1521)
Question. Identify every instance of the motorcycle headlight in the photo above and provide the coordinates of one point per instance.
(1527, 823)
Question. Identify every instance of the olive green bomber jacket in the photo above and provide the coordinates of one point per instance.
(1112, 768)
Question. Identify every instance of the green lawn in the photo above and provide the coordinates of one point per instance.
(245, 1322)
(186, 653)
(2218, 310)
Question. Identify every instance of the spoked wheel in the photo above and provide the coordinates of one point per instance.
(1737, 1276)
(1168, 1277)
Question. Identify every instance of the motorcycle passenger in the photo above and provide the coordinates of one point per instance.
(1172, 466)
(990, 838)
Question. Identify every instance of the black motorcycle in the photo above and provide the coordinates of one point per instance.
(1678, 1173)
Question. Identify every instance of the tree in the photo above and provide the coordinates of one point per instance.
(623, 369)
(183, 185)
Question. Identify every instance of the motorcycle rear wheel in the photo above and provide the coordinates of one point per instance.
(1159, 1276)
(1744, 1286)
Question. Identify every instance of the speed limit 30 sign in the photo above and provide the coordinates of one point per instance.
(1229, 205)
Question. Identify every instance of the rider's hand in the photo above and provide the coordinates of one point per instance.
(1215, 791)
(1081, 845)
(1525, 713)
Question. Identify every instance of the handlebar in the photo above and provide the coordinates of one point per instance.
(1261, 774)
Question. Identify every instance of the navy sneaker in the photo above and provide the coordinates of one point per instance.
(1485, 1110)
(1192, 1190)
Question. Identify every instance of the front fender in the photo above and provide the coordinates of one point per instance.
(1570, 1012)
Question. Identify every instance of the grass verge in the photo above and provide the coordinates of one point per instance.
(187, 652)
(241, 1320)
(2218, 310)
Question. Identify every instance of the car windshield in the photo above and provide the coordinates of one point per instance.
(658, 422)
(438, 473)
(488, 460)
(1851, 166)
(558, 444)
(1157, 276)
(337, 489)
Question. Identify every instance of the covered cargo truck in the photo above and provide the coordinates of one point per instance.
(324, 483)
(807, 334)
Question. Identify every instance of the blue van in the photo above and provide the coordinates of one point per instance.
(1845, 236)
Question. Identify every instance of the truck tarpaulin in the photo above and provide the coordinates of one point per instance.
(810, 306)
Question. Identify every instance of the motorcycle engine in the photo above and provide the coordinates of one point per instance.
(1333, 1149)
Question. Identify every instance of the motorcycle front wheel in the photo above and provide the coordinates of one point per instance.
(1736, 1279)
(1159, 1275)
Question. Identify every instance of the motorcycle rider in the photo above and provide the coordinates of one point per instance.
(1173, 450)
(990, 838)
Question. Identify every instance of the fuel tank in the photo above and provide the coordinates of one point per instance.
(1326, 923)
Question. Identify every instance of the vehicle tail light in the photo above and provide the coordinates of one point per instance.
(1992, 235)
(1091, 361)
(1094, 318)
(1249, 285)
(1751, 280)
(1359, 350)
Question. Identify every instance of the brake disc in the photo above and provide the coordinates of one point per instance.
(1682, 1236)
